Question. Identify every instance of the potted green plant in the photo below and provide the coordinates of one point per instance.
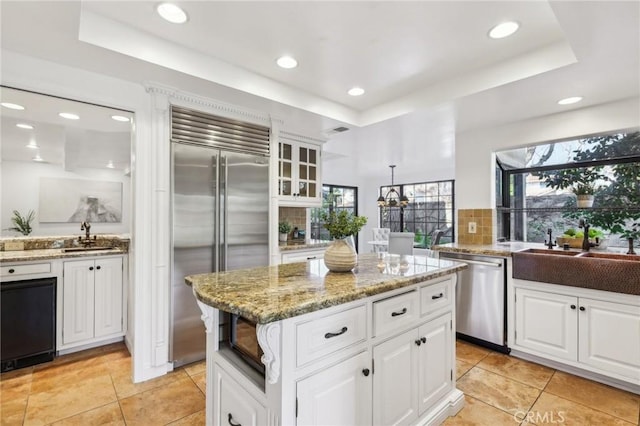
(284, 228)
(584, 192)
(22, 224)
(341, 255)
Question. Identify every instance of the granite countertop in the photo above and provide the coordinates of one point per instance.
(302, 244)
(497, 249)
(272, 293)
(48, 254)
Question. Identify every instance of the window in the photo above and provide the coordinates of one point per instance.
(539, 187)
(430, 209)
(336, 198)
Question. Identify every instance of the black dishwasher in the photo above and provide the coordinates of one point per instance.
(28, 322)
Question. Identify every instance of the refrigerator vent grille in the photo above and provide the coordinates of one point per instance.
(200, 128)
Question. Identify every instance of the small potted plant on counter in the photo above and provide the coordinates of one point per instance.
(22, 224)
(341, 255)
(284, 228)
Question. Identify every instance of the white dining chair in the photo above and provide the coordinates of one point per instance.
(380, 234)
(401, 242)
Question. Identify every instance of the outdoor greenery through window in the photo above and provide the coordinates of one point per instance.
(430, 209)
(336, 198)
(540, 187)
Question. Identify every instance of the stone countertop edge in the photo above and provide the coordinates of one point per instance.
(273, 293)
(497, 249)
(306, 245)
(50, 254)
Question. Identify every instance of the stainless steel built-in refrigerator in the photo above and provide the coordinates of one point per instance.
(220, 222)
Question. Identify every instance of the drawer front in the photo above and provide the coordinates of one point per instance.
(435, 296)
(395, 313)
(302, 256)
(323, 336)
(18, 270)
(235, 405)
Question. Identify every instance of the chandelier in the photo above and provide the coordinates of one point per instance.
(393, 199)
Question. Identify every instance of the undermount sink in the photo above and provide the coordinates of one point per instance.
(550, 251)
(74, 249)
(615, 272)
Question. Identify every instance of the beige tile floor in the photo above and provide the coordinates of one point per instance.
(94, 388)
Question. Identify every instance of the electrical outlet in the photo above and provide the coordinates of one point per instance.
(13, 246)
(472, 227)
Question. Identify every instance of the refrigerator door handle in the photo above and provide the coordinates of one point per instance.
(222, 181)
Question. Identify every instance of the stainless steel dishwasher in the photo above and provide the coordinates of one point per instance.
(481, 300)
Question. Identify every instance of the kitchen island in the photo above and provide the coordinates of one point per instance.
(372, 346)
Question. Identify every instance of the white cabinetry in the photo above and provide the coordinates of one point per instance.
(412, 372)
(294, 256)
(236, 406)
(299, 173)
(583, 330)
(337, 395)
(92, 299)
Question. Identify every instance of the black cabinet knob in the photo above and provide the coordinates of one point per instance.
(423, 339)
(91, 268)
(582, 308)
(98, 267)
(365, 372)
(11, 271)
(573, 306)
(418, 342)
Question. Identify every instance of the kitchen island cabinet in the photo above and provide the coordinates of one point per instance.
(335, 345)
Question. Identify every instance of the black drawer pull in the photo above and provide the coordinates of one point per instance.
(437, 297)
(232, 423)
(311, 257)
(402, 312)
(330, 335)
(11, 271)
(91, 268)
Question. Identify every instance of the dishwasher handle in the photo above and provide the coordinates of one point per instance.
(474, 262)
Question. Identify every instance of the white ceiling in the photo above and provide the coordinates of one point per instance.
(409, 56)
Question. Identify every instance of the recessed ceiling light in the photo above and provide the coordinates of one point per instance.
(32, 145)
(12, 106)
(172, 13)
(120, 118)
(69, 116)
(569, 101)
(110, 165)
(356, 91)
(38, 158)
(25, 126)
(287, 62)
(504, 30)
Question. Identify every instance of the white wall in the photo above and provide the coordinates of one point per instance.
(21, 191)
(420, 144)
(475, 162)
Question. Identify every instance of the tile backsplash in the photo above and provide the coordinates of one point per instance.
(296, 216)
(483, 218)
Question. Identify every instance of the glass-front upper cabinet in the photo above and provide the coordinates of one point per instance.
(299, 172)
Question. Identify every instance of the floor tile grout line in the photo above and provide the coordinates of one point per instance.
(586, 406)
(511, 378)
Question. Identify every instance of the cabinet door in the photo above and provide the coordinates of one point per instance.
(609, 337)
(547, 322)
(339, 395)
(285, 169)
(395, 380)
(108, 296)
(78, 301)
(308, 172)
(434, 361)
(235, 405)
